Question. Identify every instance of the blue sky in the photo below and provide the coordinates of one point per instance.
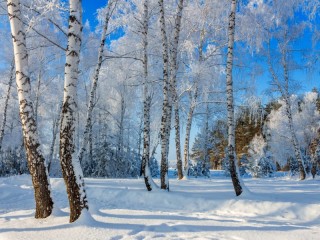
(90, 9)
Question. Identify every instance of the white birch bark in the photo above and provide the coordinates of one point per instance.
(164, 131)
(284, 91)
(177, 137)
(146, 104)
(111, 4)
(70, 164)
(6, 103)
(55, 128)
(230, 103)
(206, 160)
(36, 162)
(193, 103)
(36, 102)
(167, 105)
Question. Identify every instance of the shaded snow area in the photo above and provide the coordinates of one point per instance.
(277, 208)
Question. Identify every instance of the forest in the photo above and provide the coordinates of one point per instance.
(160, 93)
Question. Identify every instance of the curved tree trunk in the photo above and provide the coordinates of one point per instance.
(36, 161)
(71, 169)
(230, 105)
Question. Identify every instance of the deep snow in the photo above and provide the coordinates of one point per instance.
(280, 208)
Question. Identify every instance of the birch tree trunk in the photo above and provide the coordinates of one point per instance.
(36, 102)
(187, 136)
(167, 103)
(36, 161)
(6, 103)
(206, 158)
(297, 151)
(146, 104)
(55, 127)
(178, 137)
(284, 90)
(71, 169)
(164, 129)
(193, 103)
(230, 105)
(86, 134)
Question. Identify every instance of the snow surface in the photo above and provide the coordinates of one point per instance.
(280, 208)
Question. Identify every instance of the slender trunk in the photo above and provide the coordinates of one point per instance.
(36, 102)
(177, 138)
(6, 103)
(146, 105)
(206, 159)
(121, 129)
(55, 127)
(71, 169)
(36, 161)
(164, 129)
(230, 105)
(193, 103)
(187, 136)
(294, 139)
(95, 80)
(170, 88)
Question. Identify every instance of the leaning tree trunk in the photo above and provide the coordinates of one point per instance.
(297, 151)
(193, 103)
(95, 81)
(6, 103)
(71, 169)
(145, 168)
(230, 105)
(36, 162)
(164, 129)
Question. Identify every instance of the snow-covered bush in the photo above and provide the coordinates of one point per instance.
(261, 161)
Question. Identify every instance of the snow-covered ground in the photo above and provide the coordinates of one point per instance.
(276, 208)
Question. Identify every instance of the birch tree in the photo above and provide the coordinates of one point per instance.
(230, 103)
(6, 103)
(146, 104)
(71, 169)
(110, 7)
(164, 130)
(283, 88)
(169, 86)
(36, 161)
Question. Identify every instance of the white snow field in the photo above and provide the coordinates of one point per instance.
(277, 208)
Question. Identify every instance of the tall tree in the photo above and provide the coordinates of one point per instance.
(169, 87)
(230, 103)
(165, 130)
(71, 169)
(283, 88)
(146, 104)
(6, 103)
(88, 127)
(36, 161)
